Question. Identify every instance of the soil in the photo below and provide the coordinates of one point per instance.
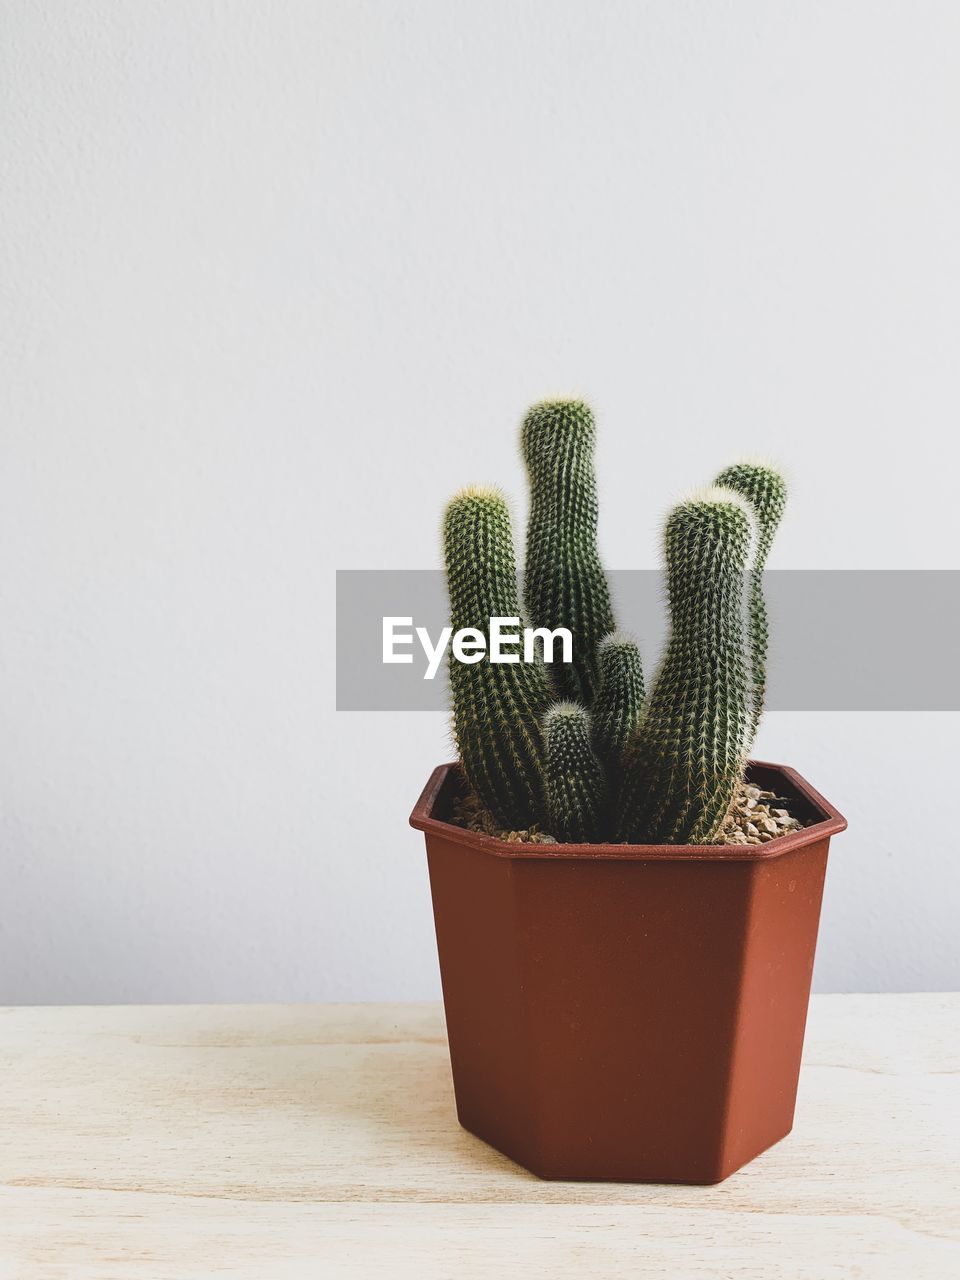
(755, 817)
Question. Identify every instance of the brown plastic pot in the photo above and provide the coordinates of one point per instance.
(627, 1013)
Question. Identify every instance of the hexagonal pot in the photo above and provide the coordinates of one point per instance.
(627, 1013)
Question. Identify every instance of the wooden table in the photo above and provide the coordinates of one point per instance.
(320, 1141)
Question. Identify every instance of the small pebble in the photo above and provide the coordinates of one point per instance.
(758, 816)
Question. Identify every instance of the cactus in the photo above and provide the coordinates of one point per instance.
(617, 706)
(498, 709)
(682, 769)
(602, 763)
(766, 491)
(577, 804)
(564, 583)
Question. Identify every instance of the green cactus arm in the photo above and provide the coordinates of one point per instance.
(681, 771)
(577, 806)
(564, 583)
(619, 700)
(766, 491)
(498, 708)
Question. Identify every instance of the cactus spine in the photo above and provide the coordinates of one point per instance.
(619, 701)
(766, 491)
(564, 583)
(682, 769)
(497, 708)
(576, 788)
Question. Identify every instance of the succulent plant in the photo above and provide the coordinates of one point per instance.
(577, 804)
(766, 491)
(564, 584)
(684, 763)
(498, 708)
(575, 747)
(619, 702)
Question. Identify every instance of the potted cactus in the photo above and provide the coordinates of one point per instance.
(625, 947)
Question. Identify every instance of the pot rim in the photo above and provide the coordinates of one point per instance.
(829, 823)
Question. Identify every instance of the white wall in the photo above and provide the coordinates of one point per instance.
(278, 278)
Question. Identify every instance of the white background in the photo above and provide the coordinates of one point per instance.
(278, 278)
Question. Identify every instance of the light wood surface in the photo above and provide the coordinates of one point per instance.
(272, 1142)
